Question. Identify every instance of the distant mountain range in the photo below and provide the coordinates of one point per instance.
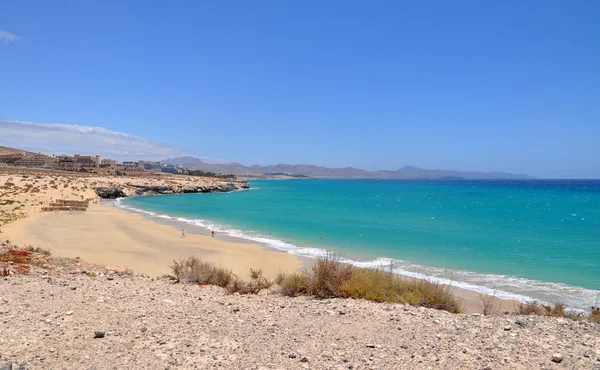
(406, 172)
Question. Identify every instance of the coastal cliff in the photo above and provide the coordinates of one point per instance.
(24, 191)
(128, 189)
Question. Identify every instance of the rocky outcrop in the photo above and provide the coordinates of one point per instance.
(110, 192)
(127, 190)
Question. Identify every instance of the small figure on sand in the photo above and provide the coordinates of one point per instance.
(213, 233)
(183, 233)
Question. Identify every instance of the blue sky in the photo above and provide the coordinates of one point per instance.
(471, 85)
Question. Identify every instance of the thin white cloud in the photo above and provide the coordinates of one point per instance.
(54, 138)
(7, 37)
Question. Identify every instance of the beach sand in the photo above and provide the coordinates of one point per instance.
(113, 237)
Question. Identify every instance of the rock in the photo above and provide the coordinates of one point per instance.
(6, 367)
(304, 359)
(292, 355)
(99, 334)
(370, 345)
(69, 313)
(557, 357)
(404, 346)
(52, 350)
(487, 368)
(110, 278)
(507, 328)
(522, 323)
(110, 192)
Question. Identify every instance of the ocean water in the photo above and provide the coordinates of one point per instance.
(518, 239)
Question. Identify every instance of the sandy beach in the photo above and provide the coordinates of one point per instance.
(113, 237)
(120, 239)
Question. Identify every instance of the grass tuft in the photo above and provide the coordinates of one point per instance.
(194, 270)
(329, 277)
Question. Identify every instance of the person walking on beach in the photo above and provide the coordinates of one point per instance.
(213, 233)
(183, 233)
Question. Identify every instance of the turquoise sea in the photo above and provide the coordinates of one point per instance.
(524, 239)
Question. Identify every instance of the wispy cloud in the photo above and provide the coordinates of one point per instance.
(7, 37)
(54, 138)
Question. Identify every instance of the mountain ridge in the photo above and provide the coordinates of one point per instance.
(406, 172)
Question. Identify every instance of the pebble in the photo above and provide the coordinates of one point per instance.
(557, 357)
(304, 359)
(6, 367)
(507, 328)
(522, 323)
(99, 334)
(404, 346)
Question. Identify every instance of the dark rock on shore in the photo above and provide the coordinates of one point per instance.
(110, 193)
(129, 189)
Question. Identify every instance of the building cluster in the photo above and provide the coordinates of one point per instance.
(86, 163)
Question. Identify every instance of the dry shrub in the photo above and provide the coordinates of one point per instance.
(194, 270)
(539, 309)
(490, 304)
(330, 278)
(38, 249)
(294, 284)
(328, 275)
(257, 283)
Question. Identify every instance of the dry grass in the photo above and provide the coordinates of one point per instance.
(40, 250)
(326, 278)
(194, 270)
(294, 284)
(490, 304)
(536, 308)
(557, 310)
(330, 278)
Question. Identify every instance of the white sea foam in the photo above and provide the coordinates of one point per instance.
(502, 286)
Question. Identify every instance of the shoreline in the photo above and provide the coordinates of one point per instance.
(470, 293)
(518, 289)
(148, 245)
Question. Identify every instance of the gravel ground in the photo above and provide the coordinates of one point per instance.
(76, 321)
